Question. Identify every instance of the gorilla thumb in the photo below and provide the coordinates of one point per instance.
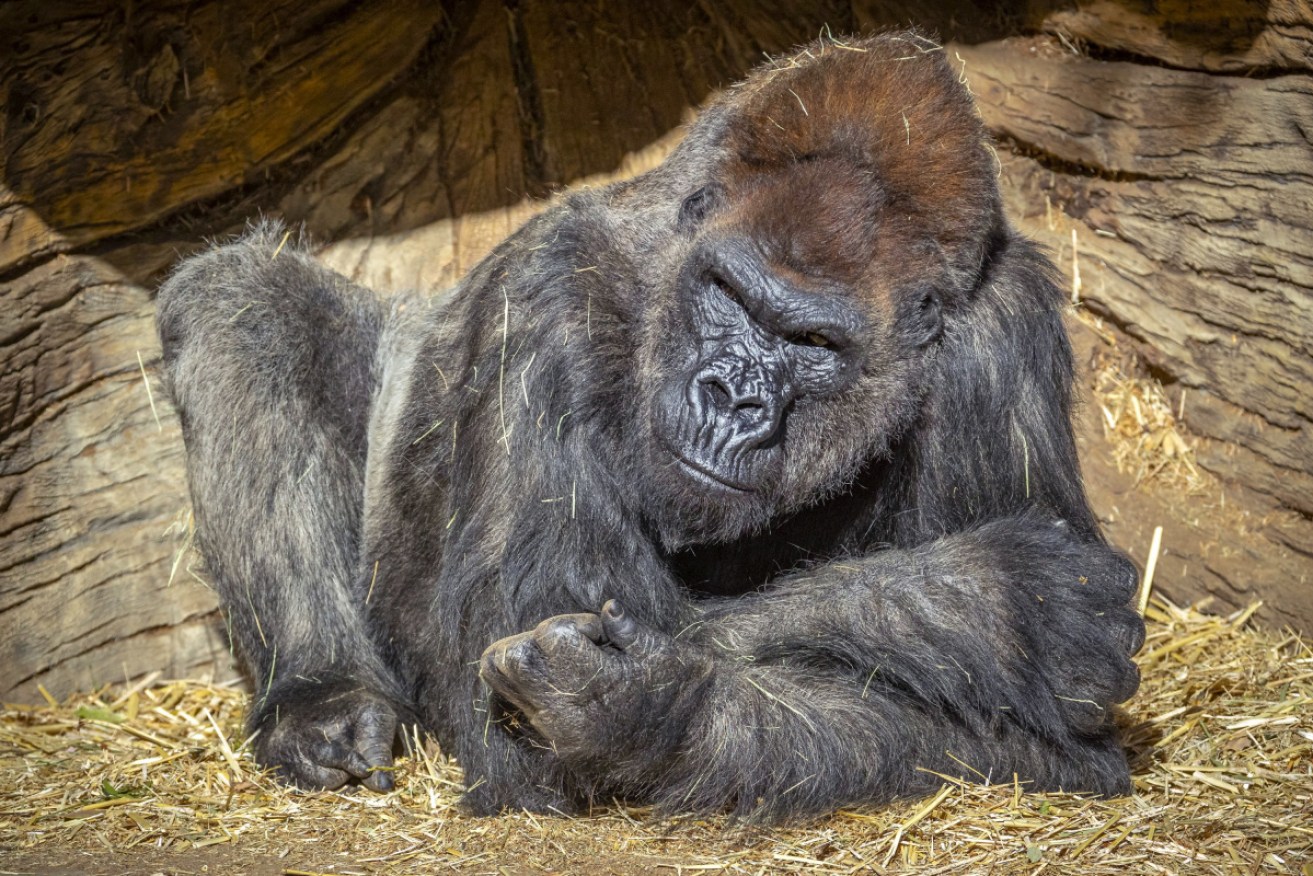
(621, 629)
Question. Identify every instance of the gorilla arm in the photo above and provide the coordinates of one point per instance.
(855, 682)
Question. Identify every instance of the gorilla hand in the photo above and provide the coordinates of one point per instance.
(1080, 622)
(322, 734)
(612, 696)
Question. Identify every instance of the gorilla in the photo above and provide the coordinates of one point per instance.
(745, 485)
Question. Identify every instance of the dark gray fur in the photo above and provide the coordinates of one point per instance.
(385, 489)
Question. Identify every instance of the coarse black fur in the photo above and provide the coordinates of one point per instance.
(746, 484)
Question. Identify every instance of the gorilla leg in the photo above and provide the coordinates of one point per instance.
(270, 362)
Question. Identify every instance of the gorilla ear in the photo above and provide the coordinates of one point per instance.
(698, 206)
(931, 314)
(924, 322)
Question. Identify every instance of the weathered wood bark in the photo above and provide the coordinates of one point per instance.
(1195, 191)
(412, 134)
(129, 137)
(89, 485)
(115, 120)
(1235, 36)
(1190, 193)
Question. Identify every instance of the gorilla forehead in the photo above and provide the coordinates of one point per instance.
(893, 106)
(816, 219)
(850, 158)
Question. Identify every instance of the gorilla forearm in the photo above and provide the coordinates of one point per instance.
(969, 623)
(270, 364)
(777, 740)
(631, 711)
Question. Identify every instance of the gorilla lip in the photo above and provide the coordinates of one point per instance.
(696, 472)
(701, 475)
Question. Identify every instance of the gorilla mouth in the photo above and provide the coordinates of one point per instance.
(704, 475)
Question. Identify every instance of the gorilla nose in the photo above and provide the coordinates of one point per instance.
(727, 399)
(739, 413)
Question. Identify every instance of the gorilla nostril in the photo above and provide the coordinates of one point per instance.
(717, 393)
(726, 400)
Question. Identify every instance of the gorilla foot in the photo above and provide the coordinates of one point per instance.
(322, 735)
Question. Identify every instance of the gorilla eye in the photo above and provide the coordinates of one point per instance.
(811, 339)
(724, 288)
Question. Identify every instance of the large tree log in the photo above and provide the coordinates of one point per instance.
(90, 483)
(1189, 193)
(117, 119)
(138, 133)
(417, 152)
(1195, 189)
(1235, 36)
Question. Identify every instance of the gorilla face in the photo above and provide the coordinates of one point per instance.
(758, 344)
(792, 312)
(787, 357)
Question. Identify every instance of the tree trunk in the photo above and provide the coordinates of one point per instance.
(411, 134)
(1189, 191)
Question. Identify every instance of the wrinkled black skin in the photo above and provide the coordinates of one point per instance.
(628, 513)
(761, 344)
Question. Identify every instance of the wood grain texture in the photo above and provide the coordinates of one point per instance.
(1194, 190)
(1228, 36)
(90, 487)
(117, 119)
(1188, 193)
(130, 138)
(410, 135)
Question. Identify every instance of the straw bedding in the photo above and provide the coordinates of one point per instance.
(153, 778)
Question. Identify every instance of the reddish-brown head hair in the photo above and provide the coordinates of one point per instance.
(859, 153)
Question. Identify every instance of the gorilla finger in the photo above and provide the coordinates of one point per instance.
(1108, 677)
(1131, 634)
(1124, 579)
(323, 749)
(376, 728)
(621, 628)
(569, 630)
(506, 662)
(371, 758)
(373, 767)
(381, 780)
(312, 776)
(629, 635)
(1128, 682)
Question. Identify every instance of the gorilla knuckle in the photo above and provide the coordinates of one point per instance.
(1124, 578)
(1128, 682)
(1130, 631)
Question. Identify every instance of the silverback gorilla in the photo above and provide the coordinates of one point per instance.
(747, 484)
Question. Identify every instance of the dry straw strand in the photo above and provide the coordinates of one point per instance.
(152, 777)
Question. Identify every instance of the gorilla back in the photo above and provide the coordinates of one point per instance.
(745, 484)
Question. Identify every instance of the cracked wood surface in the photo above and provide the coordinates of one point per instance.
(414, 130)
(1232, 36)
(89, 485)
(417, 152)
(1194, 190)
(118, 118)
